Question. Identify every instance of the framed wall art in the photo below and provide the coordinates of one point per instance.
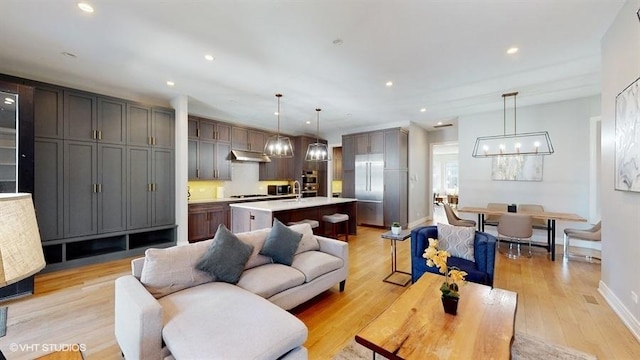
(627, 149)
(517, 168)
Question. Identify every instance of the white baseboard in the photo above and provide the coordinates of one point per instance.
(618, 307)
(419, 222)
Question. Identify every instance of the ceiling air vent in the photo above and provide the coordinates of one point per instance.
(442, 126)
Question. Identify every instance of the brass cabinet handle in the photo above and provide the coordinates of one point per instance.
(198, 132)
(99, 188)
(99, 134)
(197, 173)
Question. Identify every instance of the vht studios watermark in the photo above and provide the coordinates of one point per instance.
(14, 347)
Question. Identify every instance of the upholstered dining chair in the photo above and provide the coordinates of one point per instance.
(540, 224)
(515, 228)
(453, 219)
(592, 234)
(492, 220)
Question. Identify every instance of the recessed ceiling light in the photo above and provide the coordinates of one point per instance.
(512, 50)
(170, 83)
(308, 122)
(439, 123)
(423, 109)
(275, 113)
(209, 57)
(389, 83)
(85, 7)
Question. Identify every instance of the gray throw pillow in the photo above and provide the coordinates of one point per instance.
(281, 243)
(226, 257)
(457, 240)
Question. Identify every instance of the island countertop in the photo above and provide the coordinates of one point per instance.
(291, 204)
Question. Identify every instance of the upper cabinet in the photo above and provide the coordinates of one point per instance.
(205, 129)
(150, 126)
(209, 145)
(370, 143)
(48, 113)
(248, 139)
(80, 116)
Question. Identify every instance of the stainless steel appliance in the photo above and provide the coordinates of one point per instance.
(369, 184)
(309, 183)
(278, 189)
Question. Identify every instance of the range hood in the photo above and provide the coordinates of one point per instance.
(252, 156)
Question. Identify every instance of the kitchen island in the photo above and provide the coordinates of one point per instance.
(249, 216)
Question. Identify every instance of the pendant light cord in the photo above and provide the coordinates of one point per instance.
(278, 133)
(318, 126)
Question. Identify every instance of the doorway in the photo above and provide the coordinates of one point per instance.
(444, 177)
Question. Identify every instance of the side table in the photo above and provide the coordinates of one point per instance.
(397, 277)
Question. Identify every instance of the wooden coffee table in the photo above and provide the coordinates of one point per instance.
(415, 326)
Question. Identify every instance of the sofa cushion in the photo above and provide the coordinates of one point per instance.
(256, 239)
(457, 240)
(281, 243)
(315, 263)
(226, 257)
(270, 279)
(222, 321)
(309, 241)
(172, 269)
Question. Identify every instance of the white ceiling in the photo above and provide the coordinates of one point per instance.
(447, 56)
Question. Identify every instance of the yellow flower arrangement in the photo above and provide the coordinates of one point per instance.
(454, 277)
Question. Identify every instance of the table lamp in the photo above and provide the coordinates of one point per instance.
(20, 248)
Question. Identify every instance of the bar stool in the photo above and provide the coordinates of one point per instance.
(336, 219)
(314, 223)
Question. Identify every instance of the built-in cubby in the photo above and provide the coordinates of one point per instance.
(152, 238)
(67, 253)
(87, 248)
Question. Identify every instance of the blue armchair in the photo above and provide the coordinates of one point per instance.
(480, 271)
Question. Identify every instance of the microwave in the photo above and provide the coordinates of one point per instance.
(278, 189)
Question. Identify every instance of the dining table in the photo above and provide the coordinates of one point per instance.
(549, 216)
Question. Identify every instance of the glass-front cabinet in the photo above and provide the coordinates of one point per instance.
(8, 142)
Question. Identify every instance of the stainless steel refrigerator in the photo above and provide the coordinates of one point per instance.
(369, 185)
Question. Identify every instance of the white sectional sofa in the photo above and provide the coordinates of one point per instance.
(167, 309)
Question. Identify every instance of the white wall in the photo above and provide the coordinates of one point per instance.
(419, 181)
(620, 210)
(565, 184)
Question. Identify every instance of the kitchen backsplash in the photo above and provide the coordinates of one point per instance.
(244, 177)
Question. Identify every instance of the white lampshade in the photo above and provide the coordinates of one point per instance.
(20, 248)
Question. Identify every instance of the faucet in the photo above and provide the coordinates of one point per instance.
(299, 195)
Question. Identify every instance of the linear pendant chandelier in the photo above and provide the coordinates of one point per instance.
(278, 146)
(317, 151)
(534, 143)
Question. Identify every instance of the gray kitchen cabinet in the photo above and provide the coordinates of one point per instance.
(80, 116)
(94, 188)
(369, 143)
(111, 126)
(395, 198)
(111, 188)
(82, 176)
(348, 153)
(80, 202)
(393, 144)
(150, 187)
(208, 160)
(206, 129)
(138, 125)
(48, 187)
(396, 155)
(149, 126)
(162, 201)
(280, 169)
(48, 113)
(204, 220)
(162, 128)
(248, 139)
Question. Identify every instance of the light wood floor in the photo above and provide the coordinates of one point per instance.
(557, 301)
